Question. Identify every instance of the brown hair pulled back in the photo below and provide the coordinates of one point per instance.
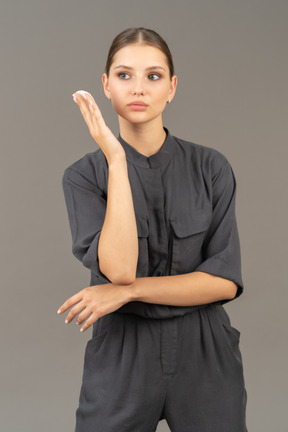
(142, 36)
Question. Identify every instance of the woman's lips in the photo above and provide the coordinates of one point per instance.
(138, 106)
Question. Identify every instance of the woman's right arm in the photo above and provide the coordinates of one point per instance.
(118, 242)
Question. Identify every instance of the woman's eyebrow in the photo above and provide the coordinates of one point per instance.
(129, 67)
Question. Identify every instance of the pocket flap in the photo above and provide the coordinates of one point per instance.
(142, 227)
(188, 224)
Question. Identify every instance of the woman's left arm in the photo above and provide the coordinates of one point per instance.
(189, 289)
(179, 290)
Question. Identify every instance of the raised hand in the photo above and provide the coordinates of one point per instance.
(99, 131)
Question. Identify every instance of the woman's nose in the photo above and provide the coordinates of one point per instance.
(138, 88)
(138, 91)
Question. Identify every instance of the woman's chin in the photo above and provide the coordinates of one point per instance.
(137, 117)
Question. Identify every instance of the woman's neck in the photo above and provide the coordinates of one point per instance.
(146, 138)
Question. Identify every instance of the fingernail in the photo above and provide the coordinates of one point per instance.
(81, 330)
(59, 311)
(74, 98)
(66, 321)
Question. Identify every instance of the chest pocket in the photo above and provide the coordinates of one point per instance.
(143, 257)
(188, 233)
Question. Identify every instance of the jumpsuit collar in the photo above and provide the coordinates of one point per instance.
(154, 161)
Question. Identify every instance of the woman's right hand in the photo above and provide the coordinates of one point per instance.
(99, 131)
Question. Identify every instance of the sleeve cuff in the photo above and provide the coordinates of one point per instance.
(225, 271)
(90, 259)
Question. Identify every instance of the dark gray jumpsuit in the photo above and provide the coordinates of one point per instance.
(146, 362)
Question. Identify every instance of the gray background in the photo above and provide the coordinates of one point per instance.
(231, 62)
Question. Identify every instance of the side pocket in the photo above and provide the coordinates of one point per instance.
(225, 319)
(231, 335)
(101, 329)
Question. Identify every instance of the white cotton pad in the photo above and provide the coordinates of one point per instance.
(82, 92)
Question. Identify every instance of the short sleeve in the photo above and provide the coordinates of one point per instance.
(221, 248)
(86, 208)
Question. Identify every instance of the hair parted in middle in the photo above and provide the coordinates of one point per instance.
(141, 36)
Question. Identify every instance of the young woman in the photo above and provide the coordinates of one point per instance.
(153, 217)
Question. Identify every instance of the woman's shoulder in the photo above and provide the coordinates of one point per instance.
(206, 156)
(92, 167)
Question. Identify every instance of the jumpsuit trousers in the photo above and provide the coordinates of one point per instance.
(185, 369)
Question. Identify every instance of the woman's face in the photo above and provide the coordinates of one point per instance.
(139, 73)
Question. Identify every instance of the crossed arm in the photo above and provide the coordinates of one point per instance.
(180, 290)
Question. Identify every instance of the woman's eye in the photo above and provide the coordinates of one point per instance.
(154, 76)
(123, 75)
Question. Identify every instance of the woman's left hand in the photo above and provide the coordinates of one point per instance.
(95, 301)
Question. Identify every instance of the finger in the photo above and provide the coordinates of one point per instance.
(79, 97)
(88, 105)
(93, 107)
(88, 97)
(74, 311)
(95, 111)
(70, 302)
(82, 93)
(89, 322)
(83, 104)
(87, 110)
(97, 118)
(84, 315)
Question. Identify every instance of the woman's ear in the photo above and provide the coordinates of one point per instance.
(173, 86)
(105, 83)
